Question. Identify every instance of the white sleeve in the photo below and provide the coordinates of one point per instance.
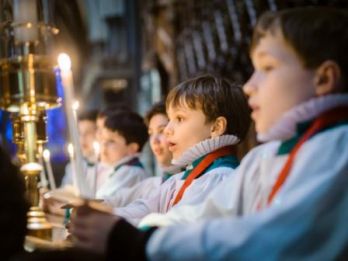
(142, 190)
(138, 209)
(223, 199)
(306, 220)
(135, 211)
(209, 201)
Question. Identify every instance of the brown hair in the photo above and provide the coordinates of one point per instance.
(157, 108)
(216, 97)
(129, 125)
(316, 34)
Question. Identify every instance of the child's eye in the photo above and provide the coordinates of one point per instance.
(179, 118)
(267, 68)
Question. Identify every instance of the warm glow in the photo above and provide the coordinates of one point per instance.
(46, 154)
(31, 167)
(76, 105)
(64, 62)
(71, 150)
(96, 148)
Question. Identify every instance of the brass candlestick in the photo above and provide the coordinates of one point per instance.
(27, 90)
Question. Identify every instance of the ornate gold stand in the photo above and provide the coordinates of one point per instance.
(27, 90)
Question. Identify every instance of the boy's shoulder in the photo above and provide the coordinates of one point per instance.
(263, 150)
(336, 136)
(229, 161)
(130, 162)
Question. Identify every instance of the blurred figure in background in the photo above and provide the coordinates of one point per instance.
(156, 120)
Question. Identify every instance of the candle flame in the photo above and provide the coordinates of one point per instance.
(64, 62)
(76, 105)
(46, 154)
(96, 148)
(71, 150)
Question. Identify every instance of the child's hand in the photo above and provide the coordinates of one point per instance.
(90, 227)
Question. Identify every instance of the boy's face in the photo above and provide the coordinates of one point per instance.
(158, 141)
(100, 126)
(278, 83)
(113, 147)
(186, 128)
(87, 135)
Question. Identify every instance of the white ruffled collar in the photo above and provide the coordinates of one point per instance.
(285, 128)
(204, 147)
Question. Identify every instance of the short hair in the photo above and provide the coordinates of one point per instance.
(316, 34)
(130, 125)
(157, 108)
(216, 97)
(112, 109)
(13, 208)
(88, 115)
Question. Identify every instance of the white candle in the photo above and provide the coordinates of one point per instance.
(73, 168)
(43, 180)
(67, 81)
(96, 148)
(25, 12)
(47, 159)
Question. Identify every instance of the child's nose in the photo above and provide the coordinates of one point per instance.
(168, 130)
(250, 86)
(155, 138)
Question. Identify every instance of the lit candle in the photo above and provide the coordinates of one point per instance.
(25, 12)
(64, 63)
(46, 156)
(96, 148)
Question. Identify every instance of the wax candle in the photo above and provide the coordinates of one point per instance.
(47, 159)
(43, 180)
(96, 148)
(71, 106)
(73, 168)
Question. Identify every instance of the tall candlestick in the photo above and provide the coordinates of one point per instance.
(46, 156)
(67, 81)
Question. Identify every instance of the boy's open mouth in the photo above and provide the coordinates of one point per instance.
(171, 146)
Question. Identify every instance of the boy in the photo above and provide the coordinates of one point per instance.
(288, 199)
(208, 116)
(122, 140)
(87, 134)
(197, 128)
(156, 120)
(102, 168)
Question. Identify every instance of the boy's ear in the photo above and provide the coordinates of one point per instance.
(133, 148)
(219, 127)
(327, 78)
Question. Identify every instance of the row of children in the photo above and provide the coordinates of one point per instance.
(288, 197)
(115, 173)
